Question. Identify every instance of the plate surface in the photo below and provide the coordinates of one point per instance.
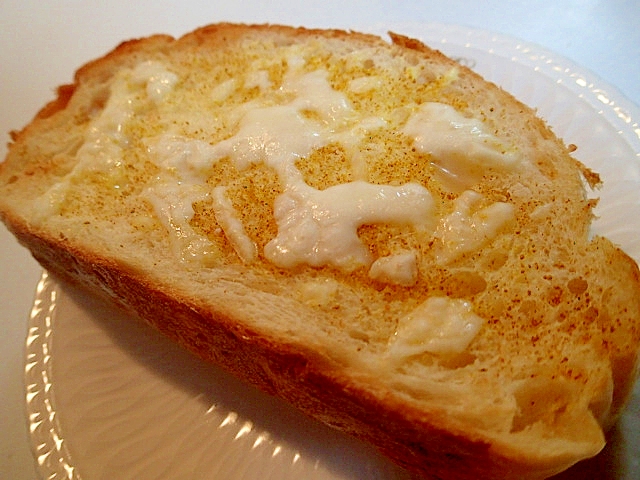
(109, 398)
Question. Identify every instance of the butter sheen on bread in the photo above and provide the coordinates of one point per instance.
(365, 229)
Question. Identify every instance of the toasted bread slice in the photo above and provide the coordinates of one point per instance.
(363, 228)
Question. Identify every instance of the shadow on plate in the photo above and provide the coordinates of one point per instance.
(337, 453)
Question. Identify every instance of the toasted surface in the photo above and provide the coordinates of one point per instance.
(364, 228)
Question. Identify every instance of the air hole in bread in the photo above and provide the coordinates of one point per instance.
(496, 259)
(457, 361)
(528, 308)
(359, 335)
(577, 286)
(368, 64)
(541, 400)
(464, 283)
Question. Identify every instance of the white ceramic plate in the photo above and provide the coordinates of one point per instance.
(109, 398)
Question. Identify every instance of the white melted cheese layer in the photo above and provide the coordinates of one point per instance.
(440, 325)
(315, 227)
(319, 227)
(399, 269)
(102, 149)
(231, 224)
(173, 205)
(470, 226)
(461, 148)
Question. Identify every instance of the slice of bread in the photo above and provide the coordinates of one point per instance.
(363, 228)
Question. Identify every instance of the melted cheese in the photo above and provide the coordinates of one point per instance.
(400, 269)
(470, 226)
(319, 227)
(173, 206)
(364, 84)
(178, 186)
(461, 148)
(224, 90)
(279, 135)
(320, 292)
(185, 159)
(232, 226)
(314, 227)
(258, 79)
(440, 325)
(102, 149)
(157, 79)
